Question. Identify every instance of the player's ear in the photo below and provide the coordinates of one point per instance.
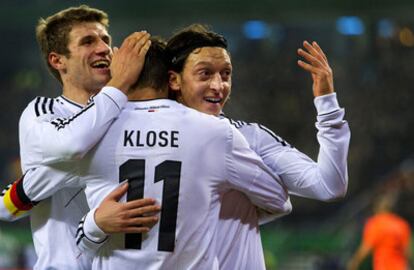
(174, 80)
(56, 61)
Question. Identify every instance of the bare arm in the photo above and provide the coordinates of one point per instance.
(362, 252)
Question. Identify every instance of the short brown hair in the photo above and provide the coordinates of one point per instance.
(52, 33)
(182, 43)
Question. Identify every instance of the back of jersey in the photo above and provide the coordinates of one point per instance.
(177, 156)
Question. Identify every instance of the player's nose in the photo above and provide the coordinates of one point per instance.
(216, 82)
(103, 48)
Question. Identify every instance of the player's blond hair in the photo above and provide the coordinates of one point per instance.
(52, 33)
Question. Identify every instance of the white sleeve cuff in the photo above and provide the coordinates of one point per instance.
(91, 230)
(117, 96)
(326, 104)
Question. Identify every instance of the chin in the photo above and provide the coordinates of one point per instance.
(103, 77)
(208, 109)
(101, 83)
(214, 112)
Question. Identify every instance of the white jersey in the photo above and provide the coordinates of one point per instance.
(186, 160)
(238, 237)
(53, 132)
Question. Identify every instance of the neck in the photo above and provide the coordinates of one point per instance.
(77, 95)
(146, 93)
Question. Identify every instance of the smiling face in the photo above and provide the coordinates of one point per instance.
(87, 66)
(205, 82)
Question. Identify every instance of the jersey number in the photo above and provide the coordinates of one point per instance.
(170, 172)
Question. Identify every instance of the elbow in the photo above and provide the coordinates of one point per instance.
(287, 207)
(282, 208)
(76, 151)
(335, 188)
(338, 195)
(341, 194)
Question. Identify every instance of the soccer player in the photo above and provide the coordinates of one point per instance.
(386, 235)
(54, 131)
(200, 77)
(185, 159)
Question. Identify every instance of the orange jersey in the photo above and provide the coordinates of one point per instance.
(389, 236)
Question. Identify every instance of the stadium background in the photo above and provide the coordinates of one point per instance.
(370, 46)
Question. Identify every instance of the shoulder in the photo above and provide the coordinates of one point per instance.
(239, 124)
(242, 125)
(401, 221)
(208, 127)
(256, 132)
(41, 106)
(371, 227)
(206, 119)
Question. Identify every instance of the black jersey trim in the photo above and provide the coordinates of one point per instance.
(51, 106)
(271, 133)
(60, 123)
(43, 105)
(237, 123)
(22, 195)
(80, 234)
(37, 106)
(71, 102)
(17, 197)
(90, 100)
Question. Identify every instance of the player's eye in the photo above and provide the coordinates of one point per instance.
(87, 41)
(107, 40)
(204, 74)
(225, 75)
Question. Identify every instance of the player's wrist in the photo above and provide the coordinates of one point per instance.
(91, 228)
(116, 95)
(119, 84)
(326, 104)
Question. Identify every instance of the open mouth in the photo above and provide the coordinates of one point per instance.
(213, 100)
(101, 64)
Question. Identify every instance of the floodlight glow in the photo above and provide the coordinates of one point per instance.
(350, 26)
(407, 37)
(386, 28)
(255, 29)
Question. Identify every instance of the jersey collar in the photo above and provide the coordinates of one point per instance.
(152, 104)
(70, 104)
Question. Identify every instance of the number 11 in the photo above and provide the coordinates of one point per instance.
(170, 172)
